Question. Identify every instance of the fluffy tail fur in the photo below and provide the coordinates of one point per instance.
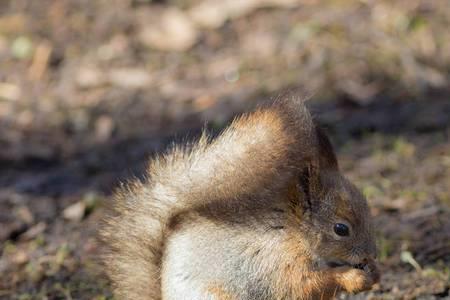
(257, 151)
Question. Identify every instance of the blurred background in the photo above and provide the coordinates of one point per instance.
(90, 89)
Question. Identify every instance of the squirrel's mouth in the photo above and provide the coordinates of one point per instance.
(343, 263)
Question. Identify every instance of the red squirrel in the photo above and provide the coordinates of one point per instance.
(259, 212)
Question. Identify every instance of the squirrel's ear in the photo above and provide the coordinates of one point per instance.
(327, 157)
(308, 185)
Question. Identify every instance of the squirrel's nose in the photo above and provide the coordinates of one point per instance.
(370, 259)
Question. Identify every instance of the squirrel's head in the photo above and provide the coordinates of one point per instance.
(340, 220)
(332, 215)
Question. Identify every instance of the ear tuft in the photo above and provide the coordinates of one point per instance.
(327, 157)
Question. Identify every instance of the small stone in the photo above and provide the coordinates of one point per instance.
(174, 31)
(75, 212)
(90, 77)
(129, 78)
(20, 257)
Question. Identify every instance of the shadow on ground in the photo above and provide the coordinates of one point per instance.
(396, 151)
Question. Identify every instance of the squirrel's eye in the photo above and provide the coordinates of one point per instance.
(341, 229)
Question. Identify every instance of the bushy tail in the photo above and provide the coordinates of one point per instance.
(256, 151)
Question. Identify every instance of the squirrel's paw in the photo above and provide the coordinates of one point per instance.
(355, 280)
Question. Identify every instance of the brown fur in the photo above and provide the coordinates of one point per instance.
(271, 179)
(219, 293)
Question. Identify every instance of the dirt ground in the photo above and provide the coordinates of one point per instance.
(89, 90)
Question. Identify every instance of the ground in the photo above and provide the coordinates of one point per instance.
(90, 90)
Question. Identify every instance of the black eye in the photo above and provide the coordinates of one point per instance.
(341, 229)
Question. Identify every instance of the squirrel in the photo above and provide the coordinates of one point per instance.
(259, 212)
